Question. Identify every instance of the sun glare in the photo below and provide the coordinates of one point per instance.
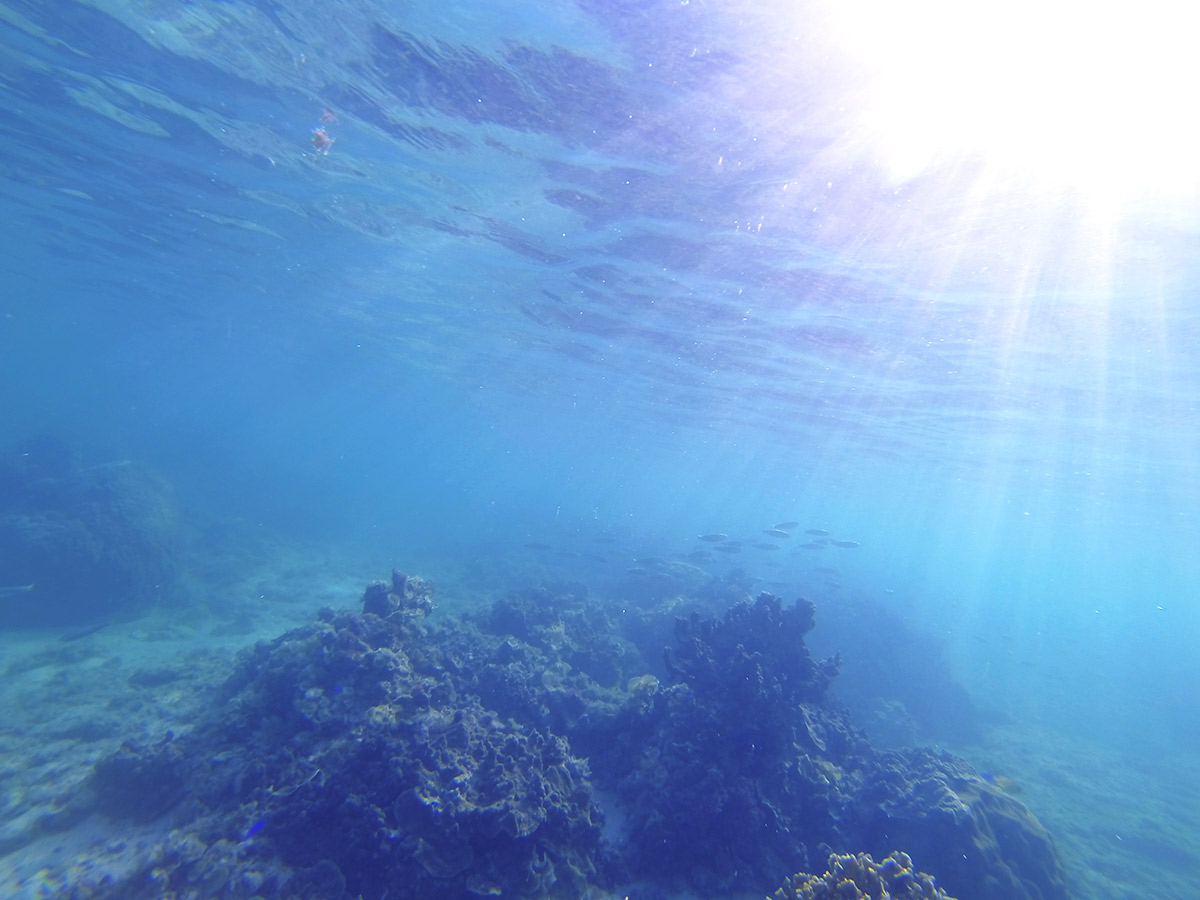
(1093, 97)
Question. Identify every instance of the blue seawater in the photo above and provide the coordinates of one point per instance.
(455, 283)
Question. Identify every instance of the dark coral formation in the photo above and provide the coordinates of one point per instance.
(344, 752)
(746, 766)
(732, 771)
(858, 877)
(764, 642)
(403, 598)
(376, 754)
(96, 542)
(561, 622)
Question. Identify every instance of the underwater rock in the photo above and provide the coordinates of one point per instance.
(858, 877)
(981, 842)
(528, 613)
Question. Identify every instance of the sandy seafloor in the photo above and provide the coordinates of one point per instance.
(1125, 822)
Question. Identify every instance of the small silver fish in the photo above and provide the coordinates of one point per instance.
(776, 532)
(847, 544)
(15, 589)
(714, 538)
(787, 526)
(817, 532)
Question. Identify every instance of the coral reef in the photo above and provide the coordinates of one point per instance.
(343, 760)
(747, 766)
(376, 753)
(734, 770)
(858, 877)
(765, 644)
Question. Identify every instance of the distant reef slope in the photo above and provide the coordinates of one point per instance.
(81, 544)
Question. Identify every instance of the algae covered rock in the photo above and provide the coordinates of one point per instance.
(980, 841)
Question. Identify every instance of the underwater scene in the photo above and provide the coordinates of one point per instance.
(608, 449)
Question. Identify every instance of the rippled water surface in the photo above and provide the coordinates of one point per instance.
(504, 285)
